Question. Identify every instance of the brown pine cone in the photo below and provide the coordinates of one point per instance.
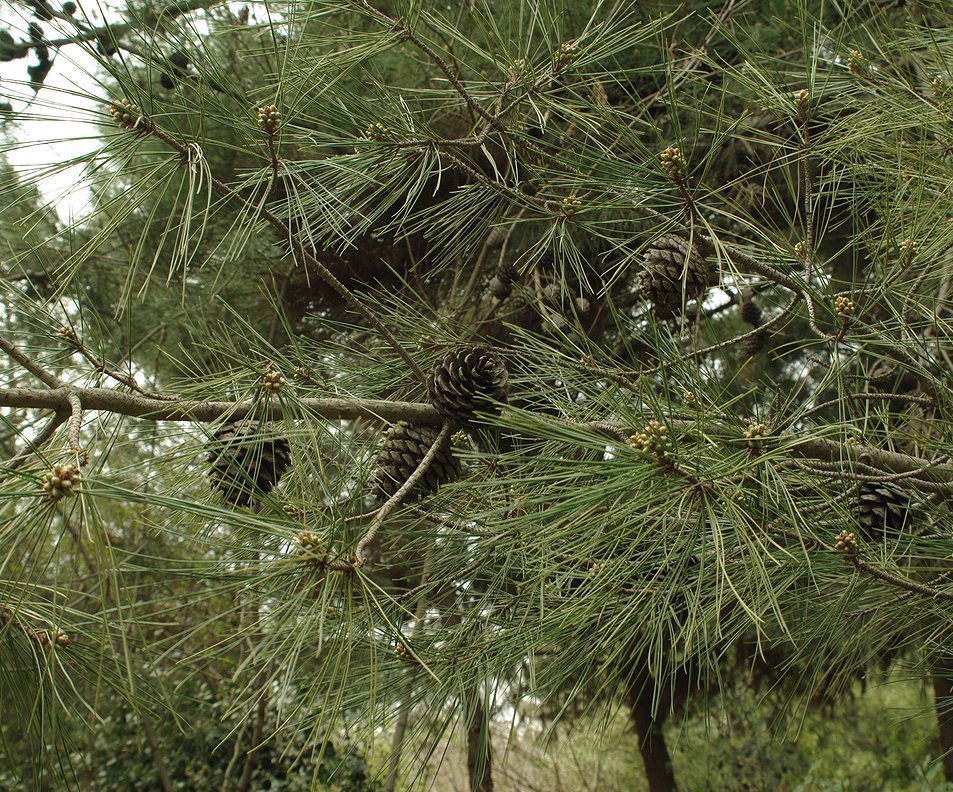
(751, 313)
(881, 509)
(671, 262)
(247, 461)
(403, 450)
(467, 380)
(501, 285)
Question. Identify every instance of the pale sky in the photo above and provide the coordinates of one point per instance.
(56, 125)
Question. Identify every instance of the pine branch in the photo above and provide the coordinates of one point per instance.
(46, 377)
(138, 406)
(130, 117)
(86, 33)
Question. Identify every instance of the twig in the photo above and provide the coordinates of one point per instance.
(406, 33)
(896, 600)
(75, 420)
(807, 185)
(29, 364)
(147, 126)
(698, 353)
(103, 367)
(48, 431)
(394, 501)
(924, 400)
(864, 567)
(901, 582)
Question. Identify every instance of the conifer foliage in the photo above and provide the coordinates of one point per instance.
(578, 354)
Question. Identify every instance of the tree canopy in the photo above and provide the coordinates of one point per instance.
(414, 365)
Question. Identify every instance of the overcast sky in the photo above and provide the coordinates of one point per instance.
(55, 125)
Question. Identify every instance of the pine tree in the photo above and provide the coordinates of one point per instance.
(407, 363)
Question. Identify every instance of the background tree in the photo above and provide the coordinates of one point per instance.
(674, 284)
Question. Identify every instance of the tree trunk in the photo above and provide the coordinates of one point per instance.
(400, 731)
(648, 727)
(943, 703)
(150, 732)
(479, 750)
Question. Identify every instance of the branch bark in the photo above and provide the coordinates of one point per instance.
(138, 406)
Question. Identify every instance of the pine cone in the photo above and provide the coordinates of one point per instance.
(752, 345)
(881, 508)
(501, 285)
(465, 381)
(403, 450)
(496, 237)
(670, 260)
(247, 461)
(751, 313)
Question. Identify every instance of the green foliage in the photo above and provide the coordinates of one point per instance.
(713, 249)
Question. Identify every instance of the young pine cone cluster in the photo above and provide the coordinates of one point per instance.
(247, 460)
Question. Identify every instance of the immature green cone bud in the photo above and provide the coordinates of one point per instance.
(654, 440)
(846, 543)
(60, 481)
(404, 653)
(269, 119)
(844, 307)
(273, 380)
(802, 103)
(569, 206)
(567, 54)
(755, 435)
(857, 62)
(129, 116)
(673, 163)
(68, 334)
(377, 131)
(311, 548)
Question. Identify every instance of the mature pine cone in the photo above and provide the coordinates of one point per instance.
(501, 285)
(247, 461)
(751, 313)
(403, 450)
(670, 260)
(496, 237)
(881, 508)
(466, 380)
(752, 345)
